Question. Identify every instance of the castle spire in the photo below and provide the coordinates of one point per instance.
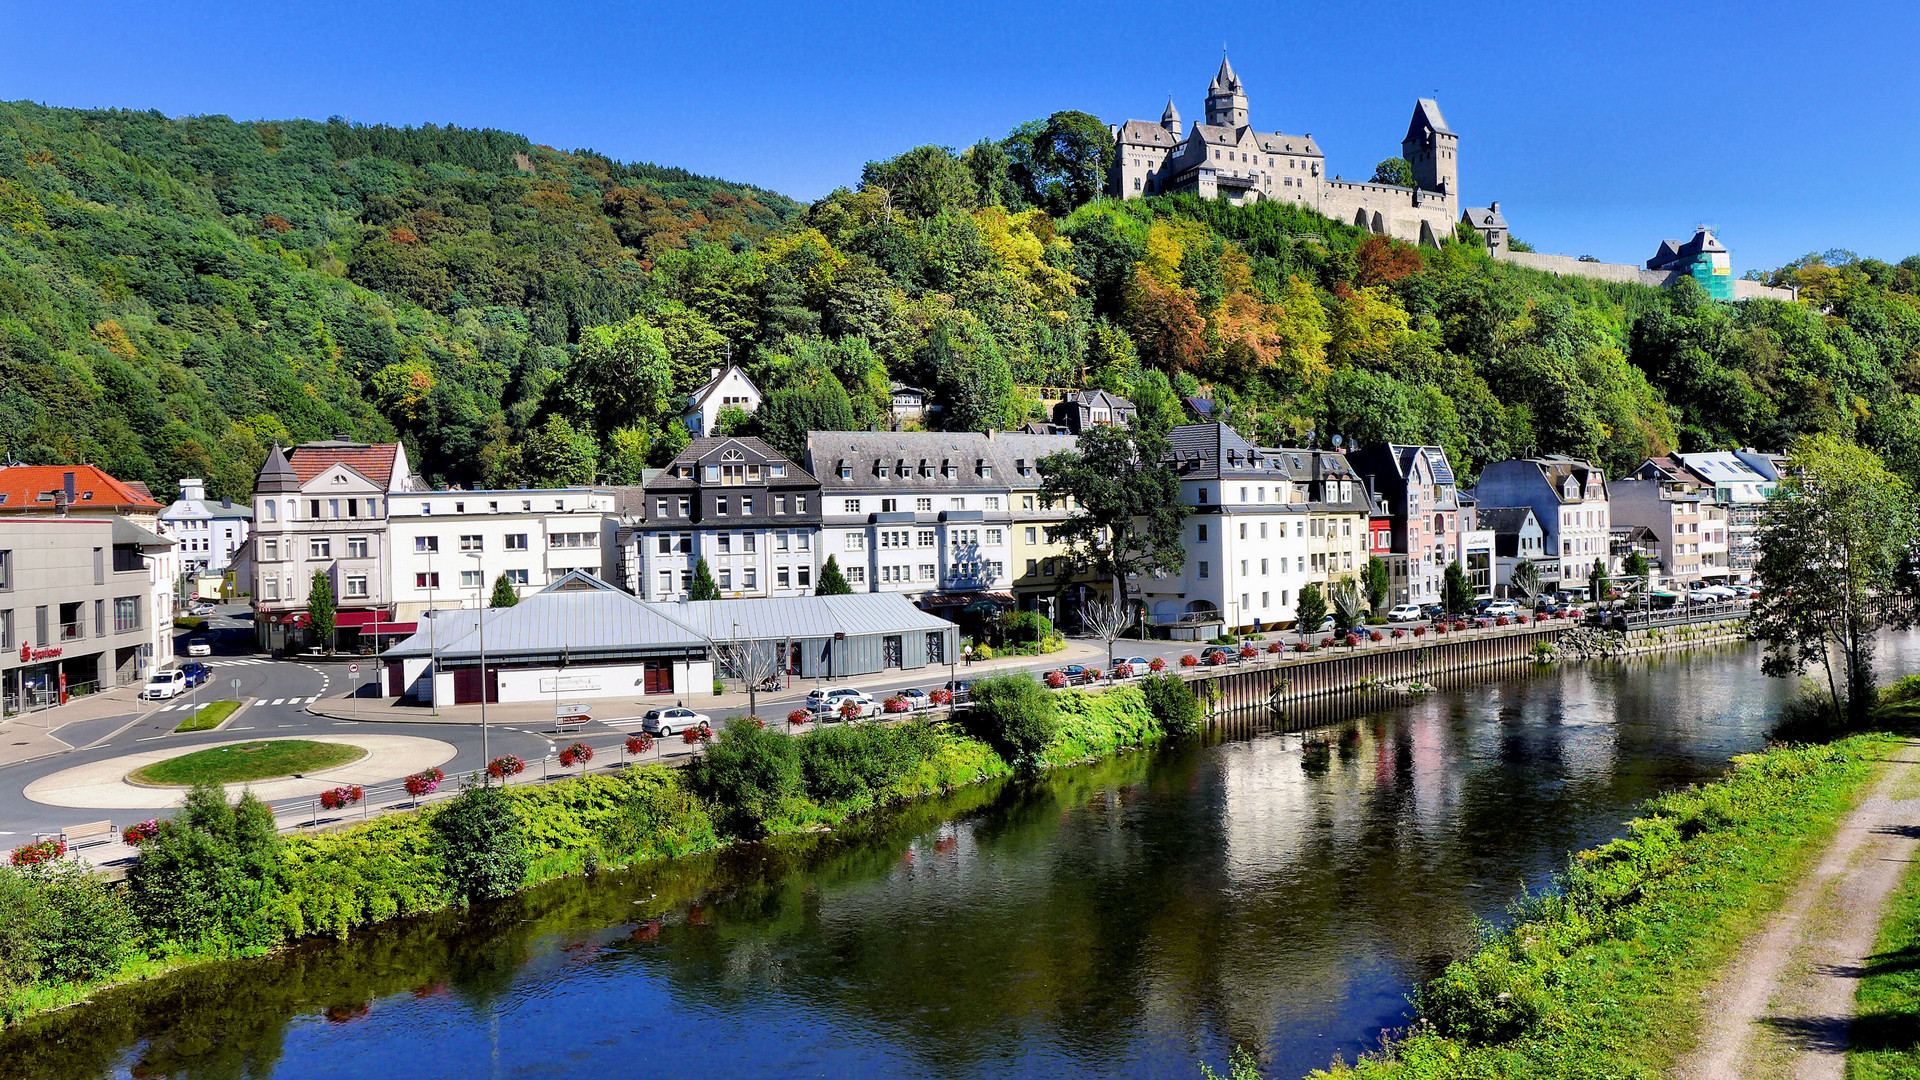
(1171, 118)
(1226, 98)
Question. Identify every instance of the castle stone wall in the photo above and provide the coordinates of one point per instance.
(1568, 266)
(1401, 210)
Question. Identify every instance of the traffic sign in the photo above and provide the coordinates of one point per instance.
(353, 669)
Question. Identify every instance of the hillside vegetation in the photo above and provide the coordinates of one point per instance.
(177, 294)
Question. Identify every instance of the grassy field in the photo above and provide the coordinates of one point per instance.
(248, 761)
(1886, 1028)
(208, 718)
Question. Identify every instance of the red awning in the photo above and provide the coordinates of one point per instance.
(297, 618)
(398, 629)
(961, 599)
(361, 618)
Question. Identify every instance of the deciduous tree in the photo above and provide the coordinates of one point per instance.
(1127, 503)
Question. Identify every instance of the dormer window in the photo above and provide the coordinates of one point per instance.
(776, 470)
(946, 468)
(1026, 469)
(880, 469)
(846, 470)
(926, 467)
(984, 468)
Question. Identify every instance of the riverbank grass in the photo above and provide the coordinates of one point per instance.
(208, 717)
(1885, 1035)
(246, 762)
(1605, 975)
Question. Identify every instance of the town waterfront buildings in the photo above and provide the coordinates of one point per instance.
(451, 547)
(1423, 502)
(209, 535)
(736, 502)
(1568, 498)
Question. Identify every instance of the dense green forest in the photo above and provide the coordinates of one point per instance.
(177, 294)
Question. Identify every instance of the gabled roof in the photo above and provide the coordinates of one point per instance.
(375, 461)
(1139, 132)
(1483, 217)
(1701, 243)
(699, 397)
(1505, 519)
(29, 489)
(1279, 142)
(1426, 114)
(1096, 399)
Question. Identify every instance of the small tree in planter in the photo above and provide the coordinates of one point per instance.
(1189, 660)
(577, 754)
(341, 797)
(140, 832)
(502, 767)
(639, 744)
(1157, 664)
(424, 783)
(36, 854)
(800, 716)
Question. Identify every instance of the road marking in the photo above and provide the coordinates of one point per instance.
(249, 728)
(259, 701)
(313, 699)
(279, 701)
(150, 738)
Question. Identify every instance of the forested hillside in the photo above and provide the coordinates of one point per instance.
(176, 294)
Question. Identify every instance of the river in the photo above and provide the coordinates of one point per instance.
(1282, 890)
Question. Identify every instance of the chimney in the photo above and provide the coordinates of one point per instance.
(1494, 206)
(193, 488)
(713, 373)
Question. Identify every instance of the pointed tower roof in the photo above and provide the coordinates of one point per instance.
(276, 475)
(1225, 79)
(1170, 118)
(1426, 114)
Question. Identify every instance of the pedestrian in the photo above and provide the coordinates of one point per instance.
(968, 653)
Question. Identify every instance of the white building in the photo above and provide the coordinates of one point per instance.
(450, 547)
(208, 534)
(1263, 523)
(724, 387)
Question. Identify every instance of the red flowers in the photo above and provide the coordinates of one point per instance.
(1301, 646)
(1374, 636)
(1156, 664)
(1123, 671)
(44, 851)
(1500, 620)
(942, 696)
(502, 767)
(691, 735)
(1189, 660)
(639, 744)
(1398, 634)
(341, 797)
(577, 754)
(1326, 642)
(1056, 680)
(1419, 631)
(1352, 640)
(799, 716)
(140, 832)
(1248, 652)
(850, 709)
(424, 782)
(1273, 648)
(897, 704)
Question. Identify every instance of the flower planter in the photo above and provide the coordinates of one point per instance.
(942, 696)
(509, 765)
(1248, 652)
(424, 783)
(140, 832)
(45, 851)
(799, 716)
(639, 744)
(1189, 660)
(1056, 680)
(341, 797)
(1156, 664)
(577, 754)
(896, 704)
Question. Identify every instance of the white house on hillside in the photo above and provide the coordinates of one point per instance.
(728, 386)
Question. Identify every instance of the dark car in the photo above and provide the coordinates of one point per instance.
(196, 673)
(1077, 674)
(1219, 654)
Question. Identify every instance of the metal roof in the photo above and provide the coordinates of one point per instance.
(780, 618)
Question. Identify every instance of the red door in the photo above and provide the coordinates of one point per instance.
(659, 679)
(396, 680)
(466, 686)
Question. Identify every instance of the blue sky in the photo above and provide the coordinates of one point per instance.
(1600, 129)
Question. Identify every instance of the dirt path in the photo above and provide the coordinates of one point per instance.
(1782, 1010)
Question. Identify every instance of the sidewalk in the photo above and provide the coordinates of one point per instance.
(34, 735)
(539, 714)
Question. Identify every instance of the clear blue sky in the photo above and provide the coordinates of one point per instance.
(1599, 128)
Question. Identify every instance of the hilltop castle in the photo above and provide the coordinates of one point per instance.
(1225, 158)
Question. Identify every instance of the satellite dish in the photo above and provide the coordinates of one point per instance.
(1337, 440)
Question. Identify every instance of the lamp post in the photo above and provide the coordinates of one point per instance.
(480, 602)
(433, 641)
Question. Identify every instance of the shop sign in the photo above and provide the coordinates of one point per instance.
(28, 653)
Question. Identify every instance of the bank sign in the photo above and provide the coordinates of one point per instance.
(29, 654)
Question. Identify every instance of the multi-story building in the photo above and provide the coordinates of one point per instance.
(1262, 524)
(1517, 538)
(208, 534)
(1476, 549)
(451, 547)
(74, 491)
(323, 507)
(78, 606)
(1569, 499)
(1423, 501)
(1669, 507)
(1083, 410)
(736, 502)
(1739, 484)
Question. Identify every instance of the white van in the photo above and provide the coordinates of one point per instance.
(1404, 613)
(165, 684)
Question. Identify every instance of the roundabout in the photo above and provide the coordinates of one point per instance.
(105, 784)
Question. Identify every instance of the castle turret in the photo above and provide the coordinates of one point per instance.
(1171, 118)
(1226, 99)
(1432, 149)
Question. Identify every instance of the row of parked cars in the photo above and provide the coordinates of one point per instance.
(173, 682)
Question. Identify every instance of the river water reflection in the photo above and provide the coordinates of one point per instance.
(1282, 891)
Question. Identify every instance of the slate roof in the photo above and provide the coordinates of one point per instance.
(207, 508)
(1426, 111)
(1003, 450)
(1483, 217)
(1225, 79)
(375, 461)
(21, 488)
(797, 617)
(1214, 451)
(1137, 132)
(1504, 519)
(276, 475)
(1672, 251)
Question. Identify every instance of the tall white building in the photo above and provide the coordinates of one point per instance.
(450, 547)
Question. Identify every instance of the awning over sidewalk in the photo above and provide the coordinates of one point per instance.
(361, 618)
(964, 599)
(395, 629)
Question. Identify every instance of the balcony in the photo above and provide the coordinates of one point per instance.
(73, 631)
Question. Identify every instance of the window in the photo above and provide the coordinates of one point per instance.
(1263, 568)
(958, 502)
(856, 541)
(726, 578)
(1203, 495)
(993, 502)
(926, 571)
(1032, 534)
(1203, 568)
(924, 538)
(1026, 502)
(746, 504)
(6, 571)
(777, 470)
(356, 585)
(686, 505)
(428, 545)
(666, 582)
(750, 578)
(126, 614)
(993, 536)
(924, 505)
(472, 542)
(516, 577)
(270, 587)
(666, 544)
(856, 575)
(1200, 534)
(6, 630)
(850, 506)
(724, 542)
(804, 574)
(1033, 567)
(1263, 530)
(779, 504)
(780, 577)
(516, 541)
(889, 506)
(271, 509)
(799, 504)
(1243, 568)
(356, 547)
(806, 541)
(660, 507)
(320, 547)
(720, 506)
(469, 579)
(1243, 493)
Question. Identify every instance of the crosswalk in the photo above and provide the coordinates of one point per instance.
(256, 701)
(237, 663)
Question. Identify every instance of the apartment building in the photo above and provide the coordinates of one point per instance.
(323, 506)
(1262, 524)
(1569, 499)
(1738, 485)
(83, 604)
(942, 516)
(208, 533)
(450, 547)
(1517, 538)
(736, 502)
(1423, 502)
(1671, 510)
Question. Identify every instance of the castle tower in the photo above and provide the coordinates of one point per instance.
(1226, 99)
(1432, 149)
(1171, 119)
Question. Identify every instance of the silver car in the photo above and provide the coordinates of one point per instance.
(665, 723)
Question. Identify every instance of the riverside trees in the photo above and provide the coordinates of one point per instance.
(1128, 502)
(1837, 557)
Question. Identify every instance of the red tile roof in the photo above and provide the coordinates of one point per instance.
(374, 462)
(22, 485)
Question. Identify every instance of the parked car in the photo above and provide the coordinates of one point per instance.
(1404, 613)
(1219, 654)
(916, 699)
(1077, 674)
(1432, 611)
(1701, 596)
(958, 688)
(827, 693)
(830, 707)
(165, 684)
(1140, 663)
(199, 646)
(666, 723)
(1497, 608)
(201, 610)
(197, 673)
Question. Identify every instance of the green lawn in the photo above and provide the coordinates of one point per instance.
(247, 761)
(1885, 1038)
(209, 717)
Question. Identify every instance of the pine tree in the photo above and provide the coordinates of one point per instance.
(1309, 609)
(1456, 593)
(832, 582)
(503, 594)
(321, 608)
(703, 587)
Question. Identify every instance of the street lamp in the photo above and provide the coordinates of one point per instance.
(480, 601)
(433, 641)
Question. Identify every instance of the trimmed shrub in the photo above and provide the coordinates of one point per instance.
(747, 773)
(1028, 628)
(1172, 703)
(1012, 714)
(210, 874)
(481, 843)
(59, 923)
